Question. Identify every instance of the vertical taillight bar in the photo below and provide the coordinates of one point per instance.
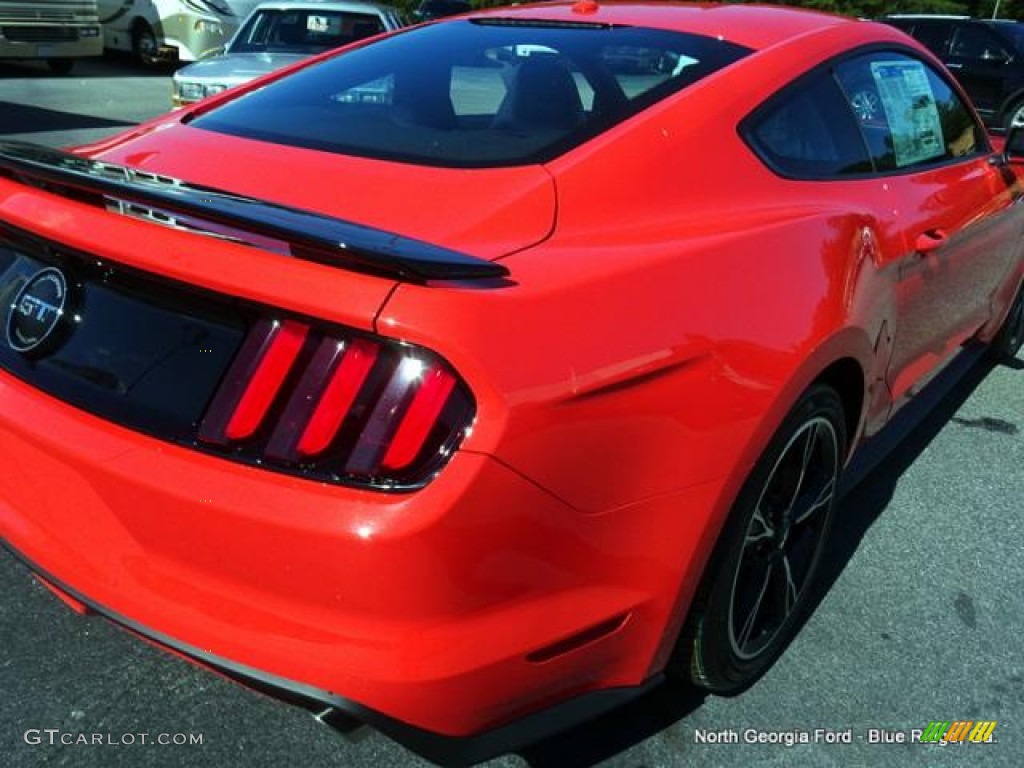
(420, 419)
(323, 398)
(384, 419)
(253, 381)
(337, 399)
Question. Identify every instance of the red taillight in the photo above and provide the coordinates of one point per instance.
(275, 363)
(415, 426)
(253, 381)
(338, 397)
(338, 406)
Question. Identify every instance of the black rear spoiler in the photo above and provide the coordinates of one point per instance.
(308, 235)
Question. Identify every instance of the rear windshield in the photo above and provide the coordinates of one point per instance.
(474, 93)
(303, 30)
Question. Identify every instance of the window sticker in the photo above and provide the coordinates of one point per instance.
(324, 24)
(910, 108)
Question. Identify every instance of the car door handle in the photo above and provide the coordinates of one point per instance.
(931, 240)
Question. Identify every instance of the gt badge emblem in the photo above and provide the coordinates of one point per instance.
(36, 310)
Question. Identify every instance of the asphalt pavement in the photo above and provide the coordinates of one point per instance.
(922, 619)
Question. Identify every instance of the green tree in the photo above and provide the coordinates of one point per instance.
(873, 8)
(1007, 9)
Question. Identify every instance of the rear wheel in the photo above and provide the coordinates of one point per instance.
(1014, 116)
(144, 45)
(758, 584)
(1008, 342)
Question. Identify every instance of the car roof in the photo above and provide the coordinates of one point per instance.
(752, 26)
(940, 16)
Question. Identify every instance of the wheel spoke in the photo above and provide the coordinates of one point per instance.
(755, 610)
(790, 592)
(823, 499)
(759, 530)
(805, 460)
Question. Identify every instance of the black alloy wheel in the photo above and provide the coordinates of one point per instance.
(761, 576)
(1014, 116)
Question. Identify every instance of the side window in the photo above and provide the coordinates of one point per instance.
(808, 131)
(933, 35)
(973, 41)
(908, 114)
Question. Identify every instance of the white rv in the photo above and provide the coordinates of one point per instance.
(58, 31)
(171, 30)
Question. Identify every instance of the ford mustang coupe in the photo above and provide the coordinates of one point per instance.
(470, 379)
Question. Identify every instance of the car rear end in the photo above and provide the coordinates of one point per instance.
(218, 442)
(214, 444)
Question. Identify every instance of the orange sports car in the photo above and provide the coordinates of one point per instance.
(468, 380)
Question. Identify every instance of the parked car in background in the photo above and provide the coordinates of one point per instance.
(158, 31)
(436, 9)
(280, 33)
(985, 55)
(477, 407)
(58, 32)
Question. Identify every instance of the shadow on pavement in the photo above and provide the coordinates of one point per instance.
(870, 484)
(872, 478)
(24, 118)
(112, 64)
(617, 731)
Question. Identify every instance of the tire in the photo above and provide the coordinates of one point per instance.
(144, 45)
(760, 578)
(1007, 343)
(60, 66)
(1014, 115)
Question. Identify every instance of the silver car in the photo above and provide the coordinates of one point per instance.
(278, 33)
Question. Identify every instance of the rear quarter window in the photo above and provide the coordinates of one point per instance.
(873, 113)
(809, 131)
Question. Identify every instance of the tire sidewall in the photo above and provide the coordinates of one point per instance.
(713, 664)
(1016, 107)
(140, 36)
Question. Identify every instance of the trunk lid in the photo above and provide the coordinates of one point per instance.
(487, 213)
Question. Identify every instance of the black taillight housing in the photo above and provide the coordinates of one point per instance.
(338, 405)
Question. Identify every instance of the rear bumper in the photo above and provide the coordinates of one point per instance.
(442, 749)
(452, 611)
